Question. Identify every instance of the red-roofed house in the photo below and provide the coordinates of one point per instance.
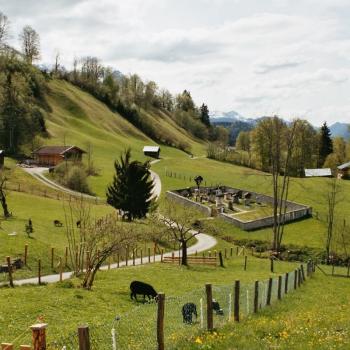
(53, 155)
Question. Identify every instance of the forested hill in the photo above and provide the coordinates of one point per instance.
(45, 106)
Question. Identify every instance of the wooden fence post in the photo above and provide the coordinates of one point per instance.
(269, 292)
(302, 272)
(231, 253)
(348, 273)
(209, 292)
(39, 336)
(160, 321)
(39, 271)
(149, 254)
(161, 255)
(286, 284)
(272, 268)
(245, 262)
(9, 267)
(279, 290)
(236, 300)
(52, 256)
(299, 277)
(256, 297)
(66, 258)
(237, 248)
(118, 260)
(25, 254)
(133, 257)
(141, 256)
(84, 338)
(295, 278)
(221, 259)
(61, 270)
(126, 255)
(154, 254)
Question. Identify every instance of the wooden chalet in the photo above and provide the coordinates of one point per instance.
(53, 155)
(344, 171)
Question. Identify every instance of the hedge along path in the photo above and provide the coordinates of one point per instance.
(204, 242)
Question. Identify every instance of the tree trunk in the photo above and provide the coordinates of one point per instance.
(184, 253)
(4, 204)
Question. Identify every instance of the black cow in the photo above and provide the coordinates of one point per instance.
(216, 307)
(57, 223)
(137, 287)
(188, 310)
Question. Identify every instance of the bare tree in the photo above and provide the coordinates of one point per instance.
(332, 200)
(3, 195)
(30, 43)
(281, 184)
(180, 224)
(4, 29)
(92, 242)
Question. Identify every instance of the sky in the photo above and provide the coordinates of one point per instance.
(257, 57)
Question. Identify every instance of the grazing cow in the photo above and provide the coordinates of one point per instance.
(216, 307)
(137, 287)
(57, 223)
(188, 310)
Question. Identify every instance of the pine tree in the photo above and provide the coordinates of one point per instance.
(325, 145)
(205, 115)
(131, 190)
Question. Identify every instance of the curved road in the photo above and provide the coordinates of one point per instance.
(204, 241)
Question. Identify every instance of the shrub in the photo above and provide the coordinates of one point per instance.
(77, 180)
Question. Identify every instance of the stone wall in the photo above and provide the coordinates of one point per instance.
(188, 202)
(295, 211)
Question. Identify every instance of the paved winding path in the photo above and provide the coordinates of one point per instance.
(204, 241)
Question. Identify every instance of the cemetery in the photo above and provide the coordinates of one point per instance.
(245, 209)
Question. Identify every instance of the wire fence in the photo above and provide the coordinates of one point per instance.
(187, 315)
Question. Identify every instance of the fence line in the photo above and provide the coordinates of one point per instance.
(164, 323)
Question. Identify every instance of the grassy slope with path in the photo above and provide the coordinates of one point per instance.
(79, 118)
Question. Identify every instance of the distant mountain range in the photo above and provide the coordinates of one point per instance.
(236, 122)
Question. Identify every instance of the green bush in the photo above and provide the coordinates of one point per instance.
(77, 180)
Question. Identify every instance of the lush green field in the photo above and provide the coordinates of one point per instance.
(42, 211)
(110, 295)
(314, 317)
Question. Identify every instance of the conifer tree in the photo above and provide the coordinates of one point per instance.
(325, 145)
(205, 115)
(131, 190)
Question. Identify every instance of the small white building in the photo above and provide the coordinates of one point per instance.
(151, 151)
(324, 172)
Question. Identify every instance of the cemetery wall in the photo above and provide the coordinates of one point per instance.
(295, 211)
(188, 203)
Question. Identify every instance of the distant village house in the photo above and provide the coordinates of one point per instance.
(344, 171)
(151, 151)
(53, 155)
(324, 172)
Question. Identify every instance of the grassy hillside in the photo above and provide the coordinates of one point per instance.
(78, 118)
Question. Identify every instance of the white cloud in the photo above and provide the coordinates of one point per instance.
(255, 56)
